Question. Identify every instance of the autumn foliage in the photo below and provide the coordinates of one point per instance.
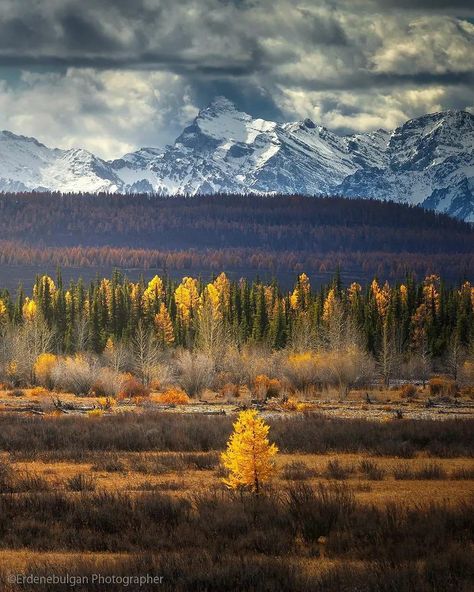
(43, 368)
(249, 458)
(172, 396)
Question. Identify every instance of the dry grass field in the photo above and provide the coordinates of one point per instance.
(368, 496)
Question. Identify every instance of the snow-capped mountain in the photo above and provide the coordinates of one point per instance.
(27, 165)
(428, 161)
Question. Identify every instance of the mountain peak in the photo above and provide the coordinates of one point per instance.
(220, 103)
(7, 135)
(427, 161)
(452, 116)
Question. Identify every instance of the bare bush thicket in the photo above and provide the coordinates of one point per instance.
(243, 367)
(418, 366)
(196, 372)
(346, 369)
(109, 382)
(75, 374)
(304, 369)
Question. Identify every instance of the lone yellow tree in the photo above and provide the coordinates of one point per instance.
(249, 457)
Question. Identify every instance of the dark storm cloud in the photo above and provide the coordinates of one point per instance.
(112, 74)
(212, 38)
(445, 5)
(207, 35)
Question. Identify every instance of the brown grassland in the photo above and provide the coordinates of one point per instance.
(367, 496)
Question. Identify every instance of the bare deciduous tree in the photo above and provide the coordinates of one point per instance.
(455, 356)
(117, 355)
(26, 343)
(145, 354)
(212, 336)
(389, 356)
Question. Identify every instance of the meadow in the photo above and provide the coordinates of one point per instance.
(355, 504)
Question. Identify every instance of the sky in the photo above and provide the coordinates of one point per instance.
(115, 75)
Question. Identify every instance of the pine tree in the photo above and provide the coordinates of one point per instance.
(260, 320)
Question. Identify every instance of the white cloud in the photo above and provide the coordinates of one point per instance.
(427, 44)
(370, 110)
(349, 64)
(106, 112)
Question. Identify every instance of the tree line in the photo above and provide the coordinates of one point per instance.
(426, 317)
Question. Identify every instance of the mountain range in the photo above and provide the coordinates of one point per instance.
(427, 161)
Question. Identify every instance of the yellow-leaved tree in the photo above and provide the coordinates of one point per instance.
(249, 458)
(43, 368)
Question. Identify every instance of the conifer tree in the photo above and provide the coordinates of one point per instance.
(249, 458)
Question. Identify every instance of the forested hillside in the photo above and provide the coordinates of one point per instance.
(245, 234)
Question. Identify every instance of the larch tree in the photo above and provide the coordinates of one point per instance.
(249, 458)
(164, 326)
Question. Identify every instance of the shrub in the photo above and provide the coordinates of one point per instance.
(467, 374)
(74, 374)
(6, 475)
(440, 385)
(297, 471)
(110, 463)
(196, 372)
(403, 472)
(38, 391)
(264, 387)
(43, 368)
(371, 470)
(132, 387)
(335, 470)
(81, 482)
(260, 386)
(95, 413)
(292, 404)
(431, 471)
(316, 511)
(108, 383)
(303, 370)
(409, 391)
(106, 403)
(172, 396)
(26, 482)
(463, 473)
(204, 461)
(467, 391)
(16, 393)
(230, 390)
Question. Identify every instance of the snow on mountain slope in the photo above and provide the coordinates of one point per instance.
(135, 170)
(428, 161)
(25, 164)
(227, 150)
(79, 170)
(21, 161)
